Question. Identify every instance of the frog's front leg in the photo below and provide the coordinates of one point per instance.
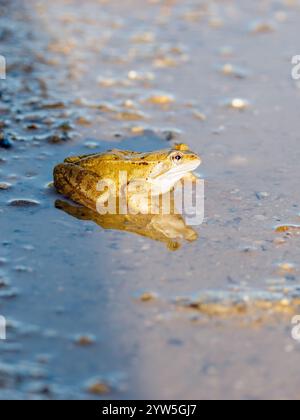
(78, 184)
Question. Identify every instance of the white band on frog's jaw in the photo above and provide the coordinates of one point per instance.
(180, 169)
(166, 181)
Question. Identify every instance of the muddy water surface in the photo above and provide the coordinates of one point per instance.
(108, 314)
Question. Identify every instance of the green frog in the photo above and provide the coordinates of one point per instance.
(79, 176)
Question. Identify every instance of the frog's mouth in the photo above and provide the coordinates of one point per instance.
(183, 169)
(167, 180)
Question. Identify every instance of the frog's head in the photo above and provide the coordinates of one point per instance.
(172, 165)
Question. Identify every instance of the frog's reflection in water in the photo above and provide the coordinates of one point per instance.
(169, 229)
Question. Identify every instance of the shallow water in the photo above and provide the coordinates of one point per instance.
(108, 314)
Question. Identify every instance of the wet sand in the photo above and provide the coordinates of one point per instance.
(99, 313)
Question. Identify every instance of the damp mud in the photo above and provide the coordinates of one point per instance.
(101, 308)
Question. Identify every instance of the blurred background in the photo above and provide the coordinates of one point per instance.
(96, 312)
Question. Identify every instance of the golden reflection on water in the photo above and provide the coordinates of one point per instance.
(169, 229)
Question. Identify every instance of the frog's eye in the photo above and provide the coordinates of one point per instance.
(177, 157)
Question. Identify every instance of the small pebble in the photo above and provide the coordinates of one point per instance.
(233, 71)
(23, 269)
(24, 203)
(199, 115)
(143, 38)
(262, 195)
(91, 145)
(287, 267)
(84, 121)
(84, 340)
(138, 129)
(5, 186)
(3, 282)
(147, 297)
(237, 103)
(58, 138)
(165, 62)
(171, 134)
(98, 388)
(279, 241)
(142, 77)
(160, 99)
(5, 143)
(288, 228)
(262, 27)
(3, 261)
(131, 116)
(53, 105)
